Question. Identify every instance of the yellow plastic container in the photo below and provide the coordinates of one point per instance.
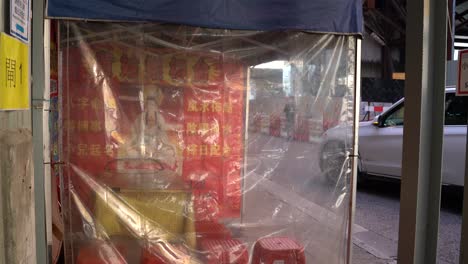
(139, 210)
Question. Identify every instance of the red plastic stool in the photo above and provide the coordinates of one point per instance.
(270, 249)
(227, 251)
(209, 230)
(149, 257)
(99, 253)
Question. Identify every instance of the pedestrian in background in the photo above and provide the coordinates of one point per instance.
(290, 112)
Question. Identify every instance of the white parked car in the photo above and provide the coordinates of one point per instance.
(381, 143)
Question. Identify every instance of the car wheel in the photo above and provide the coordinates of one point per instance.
(361, 177)
(332, 161)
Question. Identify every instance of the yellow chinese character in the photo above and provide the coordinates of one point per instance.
(70, 125)
(204, 128)
(109, 150)
(226, 150)
(228, 108)
(95, 150)
(216, 107)
(205, 106)
(227, 129)
(192, 128)
(215, 150)
(95, 126)
(192, 106)
(215, 128)
(83, 102)
(83, 125)
(82, 150)
(96, 104)
(192, 150)
(204, 150)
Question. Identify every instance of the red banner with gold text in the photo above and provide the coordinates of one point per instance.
(185, 110)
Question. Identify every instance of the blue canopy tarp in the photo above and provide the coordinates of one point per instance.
(330, 16)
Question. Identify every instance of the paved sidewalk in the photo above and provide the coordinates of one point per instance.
(377, 210)
(360, 256)
(284, 178)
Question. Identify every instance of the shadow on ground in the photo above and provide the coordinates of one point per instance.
(452, 197)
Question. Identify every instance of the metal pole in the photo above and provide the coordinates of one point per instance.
(38, 83)
(355, 159)
(46, 137)
(426, 41)
(464, 232)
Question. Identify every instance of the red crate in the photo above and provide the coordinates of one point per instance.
(275, 126)
(209, 230)
(100, 253)
(150, 257)
(227, 251)
(268, 250)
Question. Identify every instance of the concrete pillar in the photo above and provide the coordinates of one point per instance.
(426, 41)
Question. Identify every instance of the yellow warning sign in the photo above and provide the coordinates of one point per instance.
(14, 74)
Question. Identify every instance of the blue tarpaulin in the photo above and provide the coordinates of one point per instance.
(335, 16)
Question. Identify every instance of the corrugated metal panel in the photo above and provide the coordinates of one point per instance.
(371, 49)
(371, 70)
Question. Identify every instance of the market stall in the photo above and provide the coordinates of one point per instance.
(160, 128)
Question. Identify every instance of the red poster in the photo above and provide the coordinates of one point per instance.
(185, 110)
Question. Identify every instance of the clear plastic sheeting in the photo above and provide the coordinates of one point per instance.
(194, 145)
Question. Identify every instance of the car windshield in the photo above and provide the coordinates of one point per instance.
(396, 117)
(455, 112)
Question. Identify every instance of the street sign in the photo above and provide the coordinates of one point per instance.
(399, 76)
(14, 74)
(19, 19)
(462, 84)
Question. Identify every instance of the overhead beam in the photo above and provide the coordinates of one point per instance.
(461, 2)
(461, 25)
(371, 22)
(391, 22)
(461, 16)
(399, 9)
